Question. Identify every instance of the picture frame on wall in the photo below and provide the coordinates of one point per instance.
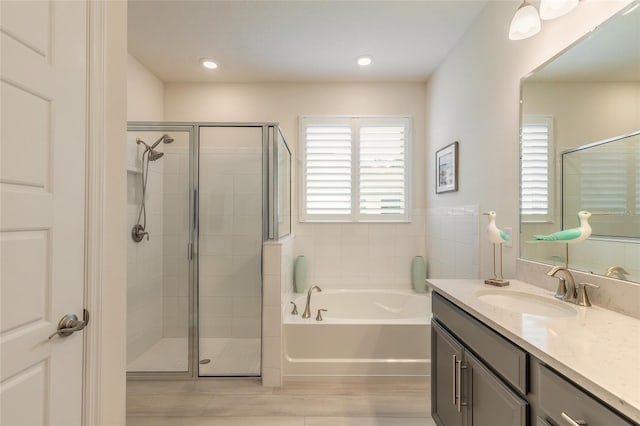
(447, 169)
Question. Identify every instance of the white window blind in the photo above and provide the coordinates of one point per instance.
(535, 165)
(328, 170)
(354, 168)
(382, 170)
(603, 180)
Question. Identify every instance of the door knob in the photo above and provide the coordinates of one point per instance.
(70, 323)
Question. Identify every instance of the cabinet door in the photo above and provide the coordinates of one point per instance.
(490, 401)
(446, 352)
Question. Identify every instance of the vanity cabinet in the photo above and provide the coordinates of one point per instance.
(480, 378)
(466, 392)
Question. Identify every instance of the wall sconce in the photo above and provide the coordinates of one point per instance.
(526, 21)
(552, 9)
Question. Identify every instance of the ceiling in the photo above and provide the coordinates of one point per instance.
(296, 41)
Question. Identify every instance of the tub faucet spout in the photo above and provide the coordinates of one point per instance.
(307, 308)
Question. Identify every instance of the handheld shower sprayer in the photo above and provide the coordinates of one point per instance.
(138, 232)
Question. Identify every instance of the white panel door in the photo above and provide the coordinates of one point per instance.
(42, 184)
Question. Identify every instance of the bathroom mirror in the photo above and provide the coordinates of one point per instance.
(581, 111)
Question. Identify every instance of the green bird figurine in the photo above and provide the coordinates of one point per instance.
(573, 235)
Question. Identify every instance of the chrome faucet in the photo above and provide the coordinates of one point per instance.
(307, 308)
(566, 287)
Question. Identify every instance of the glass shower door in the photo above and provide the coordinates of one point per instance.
(230, 250)
(158, 231)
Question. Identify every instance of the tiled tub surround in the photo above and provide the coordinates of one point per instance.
(277, 277)
(598, 349)
(361, 255)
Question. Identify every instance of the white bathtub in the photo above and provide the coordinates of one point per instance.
(363, 333)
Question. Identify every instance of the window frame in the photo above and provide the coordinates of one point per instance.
(355, 122)
(548, 121)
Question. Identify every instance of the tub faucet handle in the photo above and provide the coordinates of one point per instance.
(294, 311)
(319, 316)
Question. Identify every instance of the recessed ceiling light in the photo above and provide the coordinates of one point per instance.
(208, 63)
(364, 60)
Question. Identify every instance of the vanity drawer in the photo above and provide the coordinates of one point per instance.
(557, 396)
(508, 360)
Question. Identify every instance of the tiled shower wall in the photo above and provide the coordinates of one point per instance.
(230, 289)
(144, 259)
(176, 237)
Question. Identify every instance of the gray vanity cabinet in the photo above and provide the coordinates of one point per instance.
(446, 358)
(480, 378)
(490, 402)
(465, 391)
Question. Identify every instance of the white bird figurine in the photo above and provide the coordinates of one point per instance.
(496, 235)
(572, 235)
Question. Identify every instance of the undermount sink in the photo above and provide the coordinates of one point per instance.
(525, 303)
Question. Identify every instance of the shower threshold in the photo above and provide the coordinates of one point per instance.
(227, 356)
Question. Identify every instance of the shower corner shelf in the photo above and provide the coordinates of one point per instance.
(134, 171)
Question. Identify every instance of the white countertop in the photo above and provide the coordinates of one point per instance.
(599, 349)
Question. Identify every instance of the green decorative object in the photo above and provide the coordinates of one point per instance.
(418, 274)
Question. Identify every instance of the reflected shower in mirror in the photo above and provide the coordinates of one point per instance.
(587, 94)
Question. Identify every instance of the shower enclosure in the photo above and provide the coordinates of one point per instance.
(202, 199)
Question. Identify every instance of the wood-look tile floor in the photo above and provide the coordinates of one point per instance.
(245, 402)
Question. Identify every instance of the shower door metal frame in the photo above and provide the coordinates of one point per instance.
(192, 331)
(270, 131)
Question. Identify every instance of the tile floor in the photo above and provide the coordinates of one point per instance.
(245, 402)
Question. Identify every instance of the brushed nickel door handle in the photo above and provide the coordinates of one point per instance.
(70, 323)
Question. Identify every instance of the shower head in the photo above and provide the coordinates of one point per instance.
(163, 138)
(154, 155)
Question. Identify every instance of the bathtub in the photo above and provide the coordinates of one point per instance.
(363, 333)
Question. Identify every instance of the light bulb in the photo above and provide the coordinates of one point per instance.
(208, 63)
(364, 60)
(552, 9)
(525, 23)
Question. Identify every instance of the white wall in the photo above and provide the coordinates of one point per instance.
(473, 97)
(339, 255)
(145, 93)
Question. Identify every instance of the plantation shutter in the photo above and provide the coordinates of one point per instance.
(354, 169)
(328, 170)
(383, 170)
(535, 176)
(603, 182)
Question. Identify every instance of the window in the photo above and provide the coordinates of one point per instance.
(536, 168)
(355, 169)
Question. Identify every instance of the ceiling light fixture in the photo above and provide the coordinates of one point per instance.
(208, 63)
(525, 23)
(364, 60)
(552, 9)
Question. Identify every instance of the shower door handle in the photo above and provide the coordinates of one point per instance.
(69, 324)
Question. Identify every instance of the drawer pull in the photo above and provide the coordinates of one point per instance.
(459, 369)
(454, 382)
(572, 422)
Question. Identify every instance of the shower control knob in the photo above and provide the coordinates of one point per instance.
(138, 233)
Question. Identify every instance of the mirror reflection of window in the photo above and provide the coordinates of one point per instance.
(536, 168)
